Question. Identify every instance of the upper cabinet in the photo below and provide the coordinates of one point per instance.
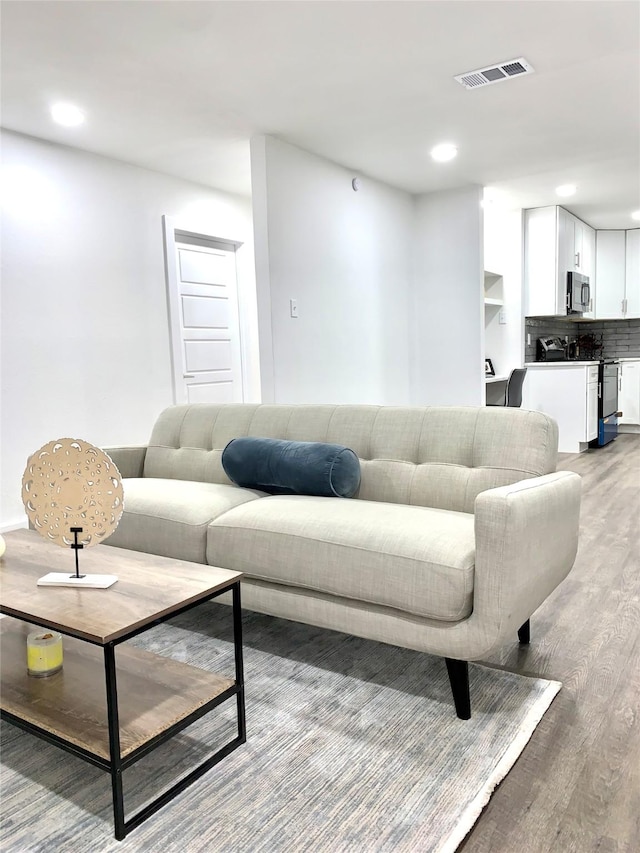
(555, 243)
(618, 274)
(610, 273)
(576, 244)
(632, 274)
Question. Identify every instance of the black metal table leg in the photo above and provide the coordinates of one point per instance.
(114, 764)
(237, 644)
(114, 740)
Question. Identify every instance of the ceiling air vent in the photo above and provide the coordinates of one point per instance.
(494, 73)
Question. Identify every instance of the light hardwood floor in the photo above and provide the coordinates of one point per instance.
(576, 787)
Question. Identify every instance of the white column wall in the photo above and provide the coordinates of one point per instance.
(344, 256)
(85, 332)
(447, 323)
(503, 244)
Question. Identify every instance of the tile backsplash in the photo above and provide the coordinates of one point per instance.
(620, 338)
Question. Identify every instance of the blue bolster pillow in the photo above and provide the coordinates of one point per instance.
(292, 467)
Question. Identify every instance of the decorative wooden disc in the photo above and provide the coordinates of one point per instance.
(70, 483)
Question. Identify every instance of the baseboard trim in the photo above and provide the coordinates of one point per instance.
(17, 524)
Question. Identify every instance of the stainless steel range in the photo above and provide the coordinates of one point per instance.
(607, 401)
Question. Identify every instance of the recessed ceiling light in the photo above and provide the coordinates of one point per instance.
(443, 153)
(566, 190)
(67, 115)
(635, 215)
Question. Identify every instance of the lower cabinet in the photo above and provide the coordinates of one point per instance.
(568, 392)
(592, 404)
(629, 396)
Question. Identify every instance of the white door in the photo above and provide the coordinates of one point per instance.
(205, 329)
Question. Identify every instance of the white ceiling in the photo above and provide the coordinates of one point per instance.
(181, 86)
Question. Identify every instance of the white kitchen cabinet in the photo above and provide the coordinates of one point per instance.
(610, 274)
(566, 249)
(592, 403)
(568, 392)
(555, 242)
(541, 261)
(586, 254)
(589, 250)
(618, 274)
(629, 393)
(576, 245)
(632, 274)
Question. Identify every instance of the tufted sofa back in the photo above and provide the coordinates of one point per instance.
(440, 457)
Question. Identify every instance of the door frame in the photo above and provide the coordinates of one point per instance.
(172, 234)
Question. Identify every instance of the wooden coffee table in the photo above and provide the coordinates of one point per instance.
(108, 709)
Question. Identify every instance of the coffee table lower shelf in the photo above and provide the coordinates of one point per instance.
(157, 697)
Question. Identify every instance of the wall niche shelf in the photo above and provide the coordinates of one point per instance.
(494, 334)
(493, 294)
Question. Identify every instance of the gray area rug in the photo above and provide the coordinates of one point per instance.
(353, 747)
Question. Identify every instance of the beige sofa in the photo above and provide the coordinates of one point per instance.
(459, 531)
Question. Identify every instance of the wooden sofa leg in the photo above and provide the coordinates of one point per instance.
(458, 671)
(524, 633)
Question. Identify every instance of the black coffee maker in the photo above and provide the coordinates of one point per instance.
(573, 350)
(551, 349)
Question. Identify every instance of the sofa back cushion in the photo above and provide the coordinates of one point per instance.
(441, 457)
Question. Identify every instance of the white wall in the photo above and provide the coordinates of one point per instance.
(447, 305)
(85, 335)
(259, 201)
(503, 241)
(345, 257)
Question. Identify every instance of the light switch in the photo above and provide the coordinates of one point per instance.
(293, 308)
(502, 318)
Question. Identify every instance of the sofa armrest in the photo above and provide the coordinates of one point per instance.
(526, 544)
(129, 459)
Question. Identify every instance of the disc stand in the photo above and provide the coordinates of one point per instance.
(77, 580)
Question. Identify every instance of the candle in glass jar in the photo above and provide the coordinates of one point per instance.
(44, 653)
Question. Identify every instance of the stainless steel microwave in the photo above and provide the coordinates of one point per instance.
(578, 293)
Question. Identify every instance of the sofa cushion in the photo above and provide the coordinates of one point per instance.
(170, 517)
(441, 456)
(292, 467)
(416, 559)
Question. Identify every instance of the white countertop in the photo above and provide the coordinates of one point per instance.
(560, 363)
(569, 363)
